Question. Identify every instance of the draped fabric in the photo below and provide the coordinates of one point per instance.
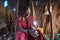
(22, 23)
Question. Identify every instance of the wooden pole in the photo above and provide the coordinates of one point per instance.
(16, 17)
(51, 20)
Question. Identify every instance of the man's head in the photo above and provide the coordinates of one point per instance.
(27, 11)
(23, 7)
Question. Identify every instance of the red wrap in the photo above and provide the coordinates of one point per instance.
(22, 24)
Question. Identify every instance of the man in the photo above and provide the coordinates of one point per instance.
(24, 24)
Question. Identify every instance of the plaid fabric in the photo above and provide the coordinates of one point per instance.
(22, 35)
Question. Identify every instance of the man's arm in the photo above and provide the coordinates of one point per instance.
(20, 28)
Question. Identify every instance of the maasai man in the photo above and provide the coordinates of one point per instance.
(24, 24)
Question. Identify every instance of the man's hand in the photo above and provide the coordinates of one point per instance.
(23, 30)
(33, 33)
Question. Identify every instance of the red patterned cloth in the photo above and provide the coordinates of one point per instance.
(23, 24)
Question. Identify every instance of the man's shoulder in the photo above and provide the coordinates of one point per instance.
(20, 18)
(30, 16)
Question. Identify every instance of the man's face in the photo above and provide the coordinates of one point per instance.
(28, 11)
